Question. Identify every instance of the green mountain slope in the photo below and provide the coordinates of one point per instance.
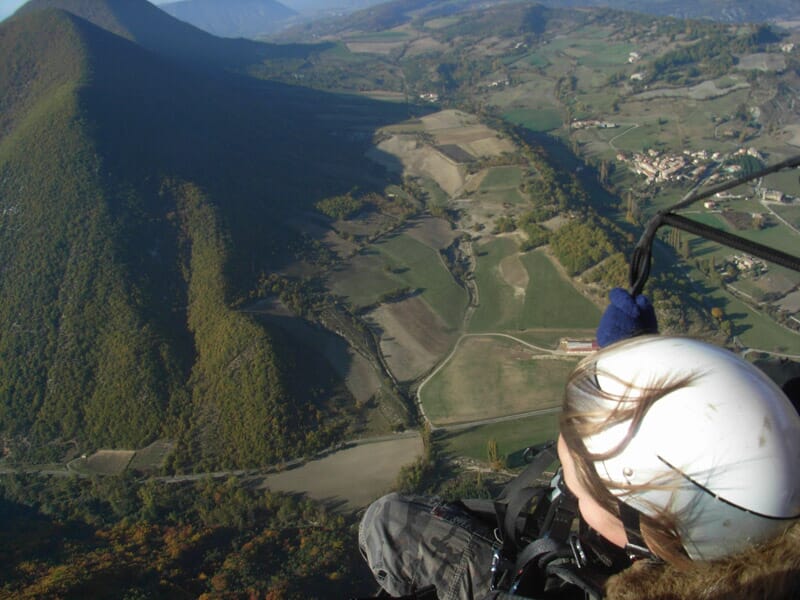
(136, 201)
(77, 356)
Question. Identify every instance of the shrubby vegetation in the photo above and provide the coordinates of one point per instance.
(613, 272)
(712, 55)
(580, 244)
(118, 537)
(339, 207)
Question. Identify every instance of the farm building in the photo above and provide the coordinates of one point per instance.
(579, 346)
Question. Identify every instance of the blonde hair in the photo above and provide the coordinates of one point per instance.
(589, 410)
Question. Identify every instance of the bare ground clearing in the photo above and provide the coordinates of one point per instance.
(406, 152)
(466, 133)
(556, 222)
(794, 134)
(514, 273)
(413, 337)
(448, 119)
(352, 478)
(475, 139)
(488, 146)
(421, 159)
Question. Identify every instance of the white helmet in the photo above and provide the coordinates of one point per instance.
(725, 449)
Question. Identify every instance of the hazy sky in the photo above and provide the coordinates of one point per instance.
(9, 6)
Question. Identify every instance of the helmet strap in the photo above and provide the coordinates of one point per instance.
(636, 546)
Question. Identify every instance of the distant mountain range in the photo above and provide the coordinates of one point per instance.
(739, 11)
(157, 31)
(232, 18)
(329, 6)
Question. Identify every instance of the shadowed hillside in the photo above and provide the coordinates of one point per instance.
(136, 200)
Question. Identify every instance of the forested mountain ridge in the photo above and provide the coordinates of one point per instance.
(132, 194)
(65, 294)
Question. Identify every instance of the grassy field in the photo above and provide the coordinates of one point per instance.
(548, 301)
(363, 280)
(341, 53)
(419, 267)
(436, 195)
(776, 236)
(350, 478)
(538, 60)
(599, 54)
(380, 36)
(501, 178)
(535, 119)
(551, 300)
(401, 261)
(498, 308)
(501, 186)
(786, 181)
(152, 457)
(756, 330)
(104, 462)
(790, 213)
(441, 22)
(512, 438)
(491, 377)
(500, 197)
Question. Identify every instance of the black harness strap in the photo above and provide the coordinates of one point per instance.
(426, 593)
(630, 517)
(511, 506)
(582, 580)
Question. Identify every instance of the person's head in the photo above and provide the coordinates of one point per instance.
(699, 442)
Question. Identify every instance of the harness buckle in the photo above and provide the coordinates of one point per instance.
(501, 567)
